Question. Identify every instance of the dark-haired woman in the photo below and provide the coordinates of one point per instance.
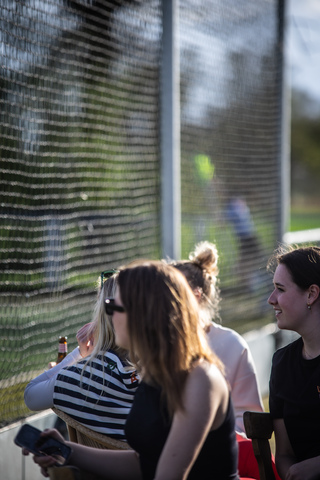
(295, 375)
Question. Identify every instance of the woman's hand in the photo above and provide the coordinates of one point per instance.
(85, 338)
(45, 461)
(306, 470)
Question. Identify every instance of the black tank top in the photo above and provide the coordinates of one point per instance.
(147, 429)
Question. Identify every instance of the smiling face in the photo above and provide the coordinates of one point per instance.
(288, 300)
(120, 324)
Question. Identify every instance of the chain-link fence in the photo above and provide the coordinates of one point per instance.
(80, 158)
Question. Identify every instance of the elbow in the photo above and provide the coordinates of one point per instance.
(30, 400)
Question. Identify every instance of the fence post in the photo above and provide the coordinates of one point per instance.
(170, 133)
(284, 127)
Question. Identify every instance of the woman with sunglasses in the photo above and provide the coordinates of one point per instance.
(181, 425)
(95, 377)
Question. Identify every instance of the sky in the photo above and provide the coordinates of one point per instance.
(303, 45)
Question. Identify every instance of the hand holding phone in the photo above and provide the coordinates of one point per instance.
(29, 438)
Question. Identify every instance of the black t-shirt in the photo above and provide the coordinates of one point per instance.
(148, 426)
(295, 397)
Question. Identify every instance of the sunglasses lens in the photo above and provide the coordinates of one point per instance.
(108, 303)
(111, 307)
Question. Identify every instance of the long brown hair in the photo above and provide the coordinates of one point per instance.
(165, 336)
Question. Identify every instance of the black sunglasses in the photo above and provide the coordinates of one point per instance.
(111, 307)
(105, 275)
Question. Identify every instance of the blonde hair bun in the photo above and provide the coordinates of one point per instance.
(205, 256)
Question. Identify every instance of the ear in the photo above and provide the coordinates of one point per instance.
(313, 293)
(198, 293)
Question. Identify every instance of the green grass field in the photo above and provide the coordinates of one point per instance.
(304, 218)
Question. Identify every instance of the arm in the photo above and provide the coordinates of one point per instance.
(118, 465)
(240, 371)
(206, 401)
(245, 391)
(115, 464)
(38, 394)
(286, 462)
(284, 455)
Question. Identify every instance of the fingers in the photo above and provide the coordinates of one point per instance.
(85, 333)
(85, 337)
(44, 472)
(44, 463)
(52, 432)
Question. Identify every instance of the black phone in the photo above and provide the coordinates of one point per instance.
(29, 437)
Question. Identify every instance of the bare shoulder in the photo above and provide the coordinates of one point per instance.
(207, 369)
(207, 376)
(207, 395)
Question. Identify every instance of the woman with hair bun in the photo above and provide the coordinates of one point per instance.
(201, 272)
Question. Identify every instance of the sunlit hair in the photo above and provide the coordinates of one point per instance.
(303, 263)
(104, 338)
(201, 272)
(166, 338)
(104, 334)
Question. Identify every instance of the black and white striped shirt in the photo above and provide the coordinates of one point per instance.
(100, 395)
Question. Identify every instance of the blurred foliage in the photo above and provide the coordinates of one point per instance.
(305, 146)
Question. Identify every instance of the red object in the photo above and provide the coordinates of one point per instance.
(247, 463)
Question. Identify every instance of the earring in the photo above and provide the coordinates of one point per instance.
(309, 306)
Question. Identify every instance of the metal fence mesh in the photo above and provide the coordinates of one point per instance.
(230, 128)
(79, 167)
